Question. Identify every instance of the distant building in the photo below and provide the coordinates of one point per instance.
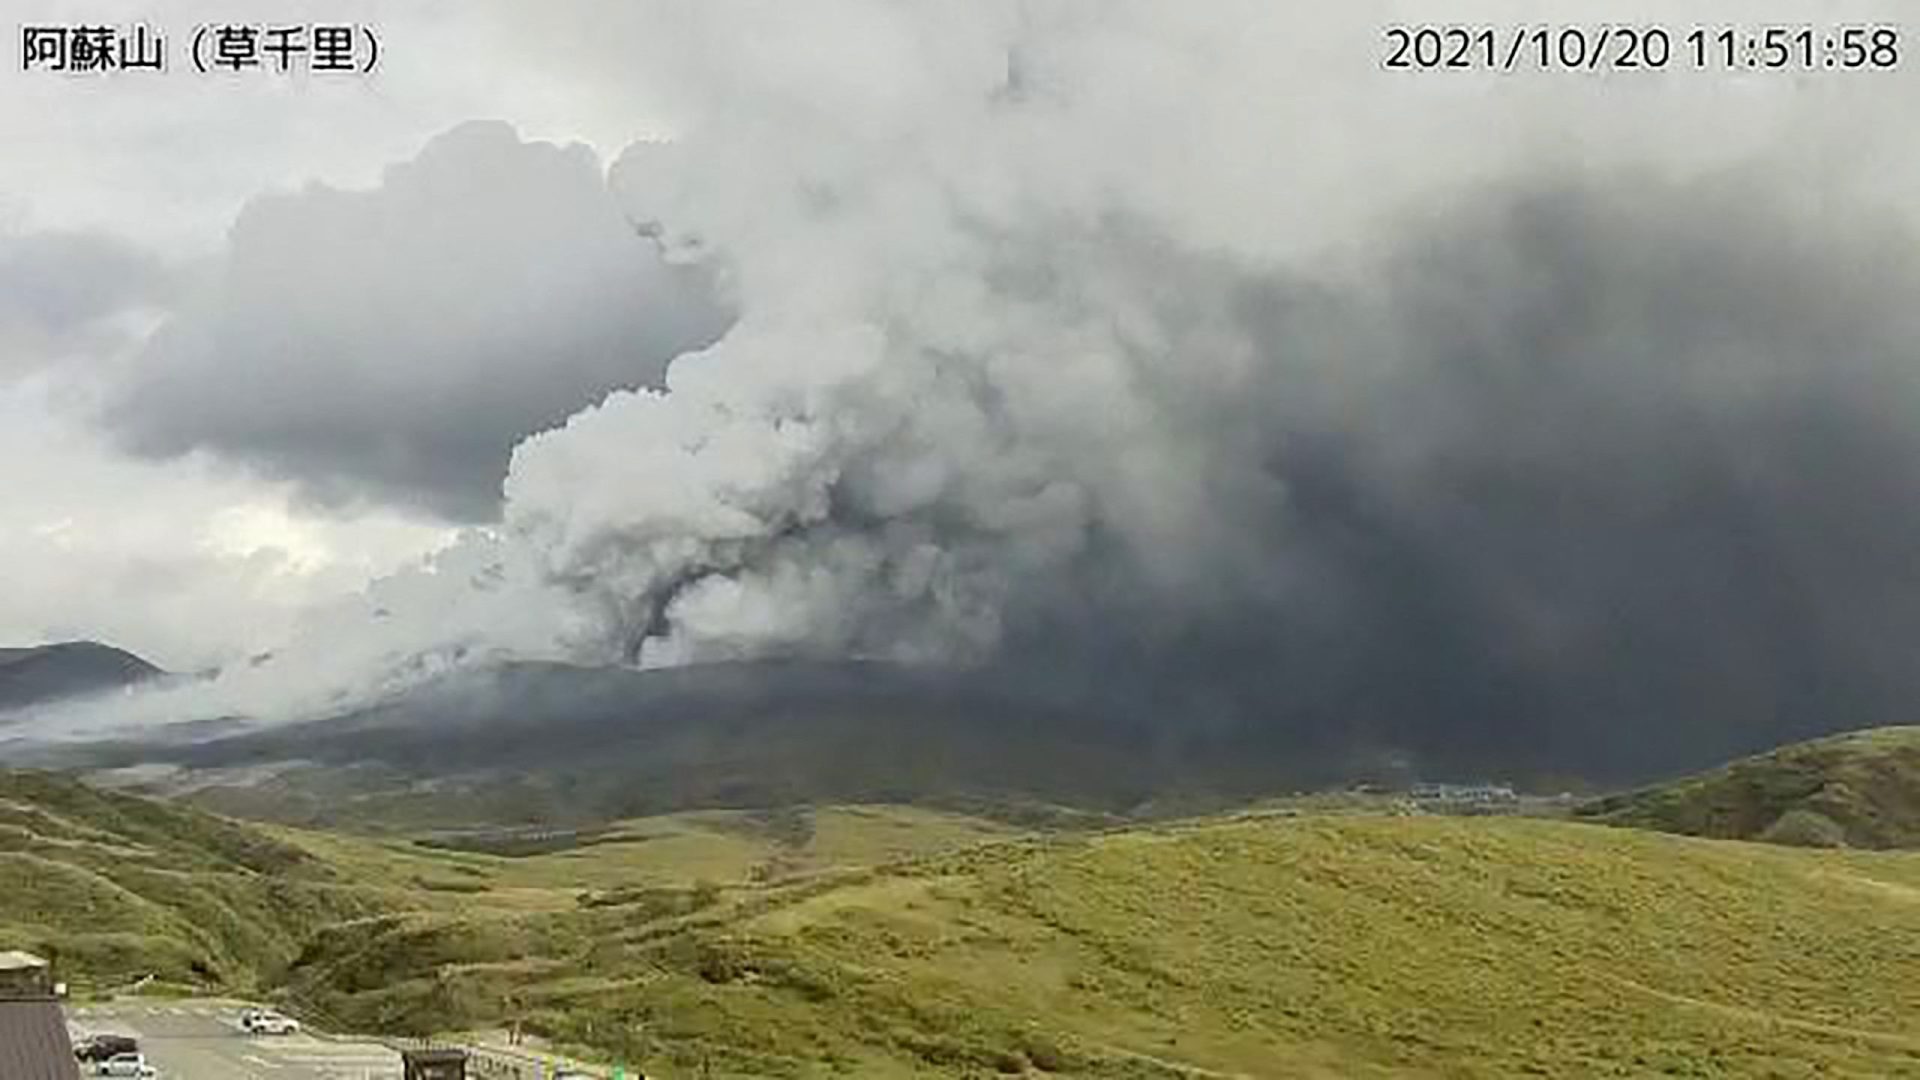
(33, 1030)
(1481, 796)
(24, 975)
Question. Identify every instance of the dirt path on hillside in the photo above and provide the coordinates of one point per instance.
(1180, 1068)
(1890, 889)
(1886, 1040)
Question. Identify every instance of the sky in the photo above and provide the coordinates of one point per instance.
(131, 517)
(672, 331)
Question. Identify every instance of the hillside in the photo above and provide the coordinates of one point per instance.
(554, 744)
(1253, 946)
(1857, 790)
(118, 887)
(896, 942)
(558, 744)
(31, 676)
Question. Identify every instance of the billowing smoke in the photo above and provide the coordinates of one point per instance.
(1582, 464)
(893, 480)
(391, 345)
(1595, 472)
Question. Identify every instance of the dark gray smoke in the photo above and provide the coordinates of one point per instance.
(1066, 371)
(1628, 482)
(392, 345)
(1601, 476)
(1604, 474)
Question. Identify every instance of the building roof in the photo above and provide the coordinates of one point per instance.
(34, 1043)
(13, 960)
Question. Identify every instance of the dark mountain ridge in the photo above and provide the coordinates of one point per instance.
(43, 673)
(618, 741)
(553, 742)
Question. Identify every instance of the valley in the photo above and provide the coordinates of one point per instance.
(893, 941)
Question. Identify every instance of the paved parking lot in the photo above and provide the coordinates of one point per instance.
(202, 1040)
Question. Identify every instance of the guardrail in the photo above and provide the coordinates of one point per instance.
(499, 1063)
(490, 1064)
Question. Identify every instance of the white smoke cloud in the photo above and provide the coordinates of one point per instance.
(391, 345)
(993, 267)
(948, 377)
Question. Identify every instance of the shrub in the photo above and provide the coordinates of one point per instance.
(1805, 828)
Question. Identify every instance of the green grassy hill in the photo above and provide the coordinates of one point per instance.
(892, 942)
(1263, 946)
(116, 887)
(1855, 790)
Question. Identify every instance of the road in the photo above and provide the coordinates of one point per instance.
(202, 1040)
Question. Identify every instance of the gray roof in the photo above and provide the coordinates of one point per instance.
(34, 1043)
(14, 959)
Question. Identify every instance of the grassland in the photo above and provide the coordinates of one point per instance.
(1252, 946)
(1856, 790)
(892, 942)
(116, 887)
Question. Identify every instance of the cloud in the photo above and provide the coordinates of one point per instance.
(64, 294)
(1603, 469)
(1607, 473)
(392, 345)
(168, 161)
(186, 563)
(1166, 359)
(1525, 453)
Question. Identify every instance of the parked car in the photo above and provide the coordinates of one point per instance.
(262, 1022)
(132, 1065)
(102, 1047)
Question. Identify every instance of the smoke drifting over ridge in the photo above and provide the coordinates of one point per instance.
(1601, 466)
(1596, 473)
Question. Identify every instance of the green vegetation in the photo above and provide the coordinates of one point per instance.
(1258, 945)
(1857, 790)
(891, 942)
(116, 887)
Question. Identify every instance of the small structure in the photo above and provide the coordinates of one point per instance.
(24, 975)
(33, 1031)
(1466, 798)
(435, 1063)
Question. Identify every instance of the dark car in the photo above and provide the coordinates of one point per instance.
(102, 1047)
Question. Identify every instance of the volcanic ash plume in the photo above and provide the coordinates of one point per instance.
(1471, 474)
(1072, 351)
(882, 474)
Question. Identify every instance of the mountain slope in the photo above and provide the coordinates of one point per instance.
(32, 676)
(788, 945)
(116, 887)
(119, 886)
(558, 743)
(1235, 947)
(567, 745)
(1857, 790)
